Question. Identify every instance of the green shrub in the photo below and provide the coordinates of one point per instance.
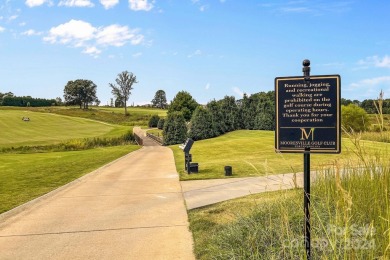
(354, 118)
(175, 129)
(160, 124)
(153, 121)
(201, 124)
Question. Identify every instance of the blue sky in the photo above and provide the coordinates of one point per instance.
(210, 48)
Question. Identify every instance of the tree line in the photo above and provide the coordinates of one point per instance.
(187, 119)
(9, 99)
(368, 105)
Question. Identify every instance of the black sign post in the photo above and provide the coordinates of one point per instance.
(308, 121)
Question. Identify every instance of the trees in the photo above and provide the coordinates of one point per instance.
(153, 121)
(27, 101)
(122, 92)
(80, 92)
(3, 95)
(160, 99)
(201, 124)
(184, 103)
(230, 114)
(354, 118)
(175, 129)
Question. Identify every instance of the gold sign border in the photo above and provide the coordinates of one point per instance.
(338, 115)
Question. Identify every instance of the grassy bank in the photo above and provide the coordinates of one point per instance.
(45, 129)
(136, 116)
(24, 177)
(252, 153)
(350, 219)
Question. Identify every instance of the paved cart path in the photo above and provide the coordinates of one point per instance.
(201, 193)
(132, 208)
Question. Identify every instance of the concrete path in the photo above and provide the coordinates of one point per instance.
(205, 192)
(132, 208)
(146, 140)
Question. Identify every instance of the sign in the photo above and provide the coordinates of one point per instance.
(308, 114)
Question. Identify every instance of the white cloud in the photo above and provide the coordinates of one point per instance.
(376, 61)
(196, 53)
(372, 82)
(140, 5)
(92, 50)
(367, 88)
(109, 3)
(116, 35)
(74, 32)
(203, 8)
(80, 34)
(2, 29)
(33, 3)
(138, 54)
(13, 17)
(207, 86)
(76, 3)
(31, 32)
(238, 91)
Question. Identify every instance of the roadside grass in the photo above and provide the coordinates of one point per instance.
(350, 219)
(136, 116)
(46, 129)
(24, 177)
(252, 153)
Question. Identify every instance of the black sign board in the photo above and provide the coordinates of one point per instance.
(186, 147)
(308, 114)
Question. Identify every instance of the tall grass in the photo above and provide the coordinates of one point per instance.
(350, 218)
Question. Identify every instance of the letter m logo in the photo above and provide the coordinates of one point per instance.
(305, 135)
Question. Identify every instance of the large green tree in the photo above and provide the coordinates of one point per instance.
(184, 103)
(160, 99)
(122, 91)
(80, 92)
(201, 124)
(230, 114)
(175, 129)
(354, 118)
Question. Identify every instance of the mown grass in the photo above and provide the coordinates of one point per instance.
(45, 129)
(42, 154)
(252, 153)
(136, 115)
(156, 132)
(24, 177)
(350, 219)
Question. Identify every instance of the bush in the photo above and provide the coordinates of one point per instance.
(153, 121)
(175, 129)
(201, 124)
(354, 118)
(160, 124)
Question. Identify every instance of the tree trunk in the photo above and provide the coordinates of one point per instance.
(125, 109)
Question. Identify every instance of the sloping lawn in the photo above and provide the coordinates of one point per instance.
(45, 128)
(252, 153)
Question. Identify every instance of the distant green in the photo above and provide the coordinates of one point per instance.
(45, 128)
